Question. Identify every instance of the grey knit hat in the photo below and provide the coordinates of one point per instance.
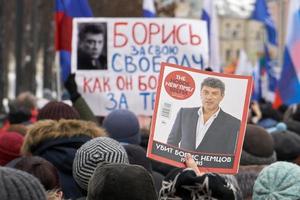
(93, 153)
(280, 180)
(19, 185)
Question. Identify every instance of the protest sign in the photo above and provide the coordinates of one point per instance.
(117, 60)
(201, 113)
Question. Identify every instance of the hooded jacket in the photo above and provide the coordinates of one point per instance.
(58, 142)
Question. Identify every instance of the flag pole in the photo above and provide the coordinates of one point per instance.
(281, 38)
(58, 79)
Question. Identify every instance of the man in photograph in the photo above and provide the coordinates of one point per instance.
(207, 128)
(91, 46)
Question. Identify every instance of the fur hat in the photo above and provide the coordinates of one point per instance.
(185, 184)
(19, 185)
(42, 131)
(280, 180)
(258, 148)
(287, 145)
(123, 126)
(93, 153)
(121, 181)
(57, 110)
(10, 146)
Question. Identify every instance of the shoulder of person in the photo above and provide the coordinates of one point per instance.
(229, 117)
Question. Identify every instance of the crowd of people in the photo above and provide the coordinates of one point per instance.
(60, 151)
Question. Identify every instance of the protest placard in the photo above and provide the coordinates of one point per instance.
(117, 60)
(201, 113)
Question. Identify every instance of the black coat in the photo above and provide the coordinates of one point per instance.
(61, 152)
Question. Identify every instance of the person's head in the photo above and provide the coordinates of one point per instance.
(212, 93)
(56, 110)
(10, 146)
(121, 181)
(280, 180)
(258, 147)
(18, 113)
(93, 153)
(27, 100)
(19, 185)
(91, 40)
(45, 172)
(123, 126)
(42, 132)
(40, 168)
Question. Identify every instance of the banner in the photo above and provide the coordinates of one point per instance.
(117, 60)
(199, 113)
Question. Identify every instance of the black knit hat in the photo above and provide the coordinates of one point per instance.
(121, 181)
(258, 147)
(19, 185)
(57, 110)
(137, 156)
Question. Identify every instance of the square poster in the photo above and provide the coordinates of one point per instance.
(202, 113)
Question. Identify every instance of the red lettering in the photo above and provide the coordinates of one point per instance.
(146, 33)
(152, 82)
(172, 35)
(124, 83)
(120, 83)
(194, 39)
(97, 85)
(122, 38)
(142, 86)
(129, 84)
(100, 84)
(86, 86)
(136, 33)
(178, 34)
(106, 85)
(153, 30)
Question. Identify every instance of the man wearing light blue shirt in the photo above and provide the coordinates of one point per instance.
(207, 128)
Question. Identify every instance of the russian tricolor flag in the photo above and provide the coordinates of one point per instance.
(65, 11)
(149, 8)
(209, 14)
(289, 84)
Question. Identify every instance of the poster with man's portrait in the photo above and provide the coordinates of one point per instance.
(201, 113)
(117, 60)
(91, 46)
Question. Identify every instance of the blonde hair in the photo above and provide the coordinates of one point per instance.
(53, 195)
